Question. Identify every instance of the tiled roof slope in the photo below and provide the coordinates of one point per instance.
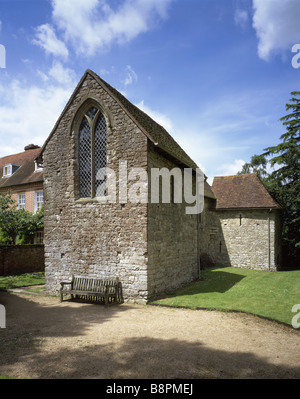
(26, 172)
(242, 191)
(156, 132)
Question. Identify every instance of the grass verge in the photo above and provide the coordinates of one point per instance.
(267, 294)
(22, 280)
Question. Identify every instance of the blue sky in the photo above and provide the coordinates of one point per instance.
(216, 74)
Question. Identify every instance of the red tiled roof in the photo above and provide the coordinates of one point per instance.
(26, 171)
(242, 191)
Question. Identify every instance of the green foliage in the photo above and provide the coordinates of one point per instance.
(284, 181)
(258, 164)
(17, 225)
(30, 223)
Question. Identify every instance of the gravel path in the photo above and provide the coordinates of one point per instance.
(47, 339)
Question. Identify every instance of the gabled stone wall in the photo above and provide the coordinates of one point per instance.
(86, 237)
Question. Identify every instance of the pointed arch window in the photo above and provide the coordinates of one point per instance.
(92, 154)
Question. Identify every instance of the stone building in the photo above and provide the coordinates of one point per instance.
(152, 246)
(242, 227)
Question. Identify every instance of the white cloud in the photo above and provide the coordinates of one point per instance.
(131, 76)
(89, 25)
(43, 76)
(277, 26)
(46, 38)
(62, 75)
(231, 168)
(241, 18)
(160, 118)
(28, 114)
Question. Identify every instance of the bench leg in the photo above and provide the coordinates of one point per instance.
(61, 296)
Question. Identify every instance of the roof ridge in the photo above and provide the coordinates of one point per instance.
(236, 175)
(158, 135)
(20, 153)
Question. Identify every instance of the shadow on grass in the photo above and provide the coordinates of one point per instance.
(218, 281)
(211, 281)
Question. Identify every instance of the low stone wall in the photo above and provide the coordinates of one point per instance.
(18, 259)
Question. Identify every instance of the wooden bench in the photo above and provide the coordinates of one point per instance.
(91, 288)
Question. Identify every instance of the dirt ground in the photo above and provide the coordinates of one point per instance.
(47, 339)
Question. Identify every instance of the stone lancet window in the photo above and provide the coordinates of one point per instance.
(92, 154)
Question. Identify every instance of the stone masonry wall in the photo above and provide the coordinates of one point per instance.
(172, 240)
(212, 243)
(251, 238)
(86, 237)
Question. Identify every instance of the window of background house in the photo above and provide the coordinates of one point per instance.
(38, 166)
(7, 170)
(38, 201)
(21, 201)
(92, 154)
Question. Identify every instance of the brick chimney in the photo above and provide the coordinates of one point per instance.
(31, 147)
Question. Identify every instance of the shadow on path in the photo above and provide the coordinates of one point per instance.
(29, 347)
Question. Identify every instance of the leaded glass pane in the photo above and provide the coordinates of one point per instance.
(100, 156)
(85, 158)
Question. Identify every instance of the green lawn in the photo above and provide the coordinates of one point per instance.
(22, 280)
(267, 294)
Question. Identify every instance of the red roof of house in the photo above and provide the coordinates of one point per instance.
(242, 191)
(26, 172)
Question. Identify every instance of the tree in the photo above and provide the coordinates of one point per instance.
(283, 182)
(257, 164)
(17, 223)
(29, 224)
